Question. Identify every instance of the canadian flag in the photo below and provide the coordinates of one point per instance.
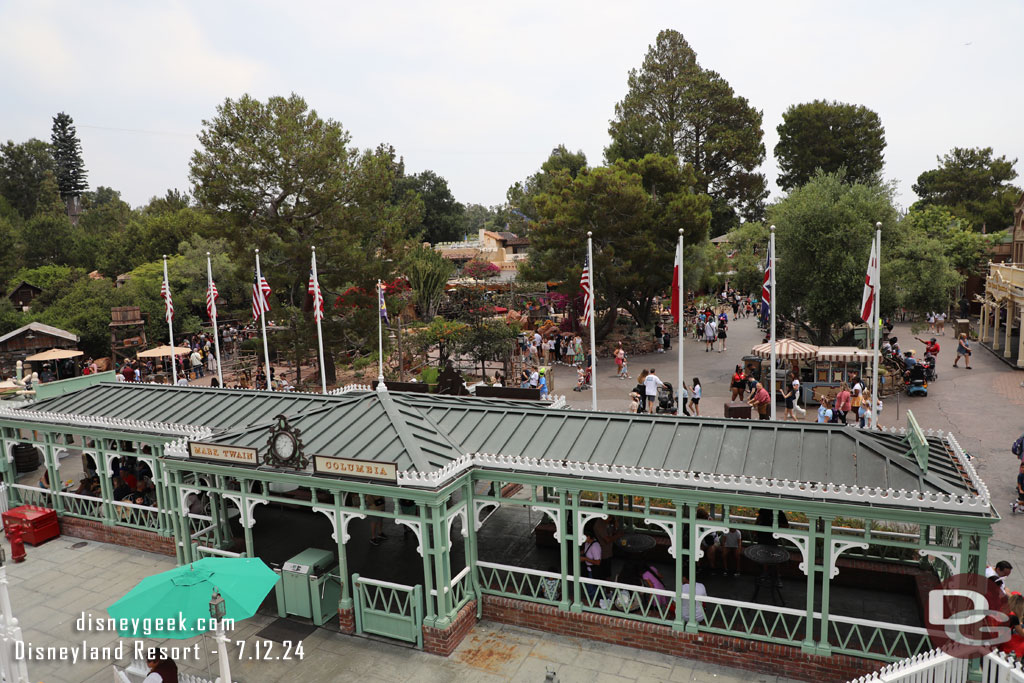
(870, 297)
(677, 299)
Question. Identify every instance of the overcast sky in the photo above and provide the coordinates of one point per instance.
(480, 92)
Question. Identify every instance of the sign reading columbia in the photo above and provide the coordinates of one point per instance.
(345, 467)
(220, 453)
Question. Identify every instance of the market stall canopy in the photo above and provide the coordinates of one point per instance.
(55, 354)
(844, 354)
(788, 349)
(164, 351)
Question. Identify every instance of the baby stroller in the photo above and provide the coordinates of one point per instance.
(666, 399)
(930, 372)
(582, 379)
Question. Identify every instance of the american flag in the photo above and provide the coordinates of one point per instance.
(588, 302)
(165, 294)
(318, 297)
(260, 296)
(211, 300)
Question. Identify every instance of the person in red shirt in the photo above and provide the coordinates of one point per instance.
(762, 401)
(931, 347)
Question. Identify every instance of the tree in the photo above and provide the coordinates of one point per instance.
(829, 136)
(443, 335)
(442, 215)
(23, 168)
(67, 156)
(634, 209)
(973, 185)
(676, 108)
(965, 249)
(48, 238)
(823, 237)
(480, 269)
(428, 272)
(746, 250)
(522, 207)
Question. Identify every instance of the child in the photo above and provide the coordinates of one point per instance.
(634, 402)
(581, 377)
(625, 366)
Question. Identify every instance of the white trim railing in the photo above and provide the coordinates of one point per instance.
(934, 666)
(999, 667)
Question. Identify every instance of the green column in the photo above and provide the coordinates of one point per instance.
(442, 563)
(177, 515)
(691, 568)
(469, 548)
(564, 549)
(826, 560)
(51, 467)
(428, 574)
(574, 546)
(243, 491)
(106, 486)
(345, 600)
(811, 563)
(165, 511)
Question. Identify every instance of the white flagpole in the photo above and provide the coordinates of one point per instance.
(682, 327)
(875, 385)
(319, 327)
(775, 298)
(170, 327)
(380, 341)
(213, 319)
(263, 320)
(593, 322)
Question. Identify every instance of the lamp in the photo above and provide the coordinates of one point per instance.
(217, 609)
(217, 612)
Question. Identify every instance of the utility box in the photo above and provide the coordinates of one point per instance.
(309, 586)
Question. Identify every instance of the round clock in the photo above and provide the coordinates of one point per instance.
(284, 445)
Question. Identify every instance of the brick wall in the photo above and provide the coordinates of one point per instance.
(132, 538)
(443, 642)
(347, 620)
(762, 657)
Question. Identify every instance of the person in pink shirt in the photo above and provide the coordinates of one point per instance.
(843, 402)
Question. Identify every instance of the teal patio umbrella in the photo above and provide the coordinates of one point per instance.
(176, 603)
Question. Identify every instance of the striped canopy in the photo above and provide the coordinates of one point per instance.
(788, 349)
(847, 354)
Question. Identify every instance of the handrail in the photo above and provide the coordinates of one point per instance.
(386, 584)
(522, 570)
(629, 587)
(739, 603)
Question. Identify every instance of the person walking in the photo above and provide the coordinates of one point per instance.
(738, 385)
(940, 324)
(722, 328)
(641, 390)
(963, 348)
(620, 355)
(843, 402)
(695, 394)
(787, 393)
(651, 384)
(710, 334)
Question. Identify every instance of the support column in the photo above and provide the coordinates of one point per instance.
(345, 601)
(564, 548)
(995, 326)
(690, 567)
(430, 614)
(50, 458)
(1020, 341)
(824, 567)
(574, 544)
(983, 323)
(182, 537)
(1010, 310)
(442, 564)
(813, 569)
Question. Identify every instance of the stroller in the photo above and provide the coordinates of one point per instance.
(930, 372)
(666, 400)
(582, 379)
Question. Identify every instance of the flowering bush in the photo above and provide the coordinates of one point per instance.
(478, 269)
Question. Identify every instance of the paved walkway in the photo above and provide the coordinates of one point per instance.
(59, 582)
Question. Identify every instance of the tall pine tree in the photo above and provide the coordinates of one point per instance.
(67, 154)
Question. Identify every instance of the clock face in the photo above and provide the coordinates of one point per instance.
(284, 446)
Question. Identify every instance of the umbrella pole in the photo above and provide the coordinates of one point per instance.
(222, 654)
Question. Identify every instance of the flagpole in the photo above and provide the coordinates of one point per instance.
(682, 326)
(771, 306)
(380, 340)
(213, 318)
(263, 320)
(170, 327)
(878, 309)
(593, 322)
(319, 327)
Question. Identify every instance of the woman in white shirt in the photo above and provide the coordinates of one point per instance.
(695, 395)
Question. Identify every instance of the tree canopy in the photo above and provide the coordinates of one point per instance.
(974, 185)
(67, 156)
(442, 215)
(23, 168)
(829, 136)
(674, 107)
(635, 209)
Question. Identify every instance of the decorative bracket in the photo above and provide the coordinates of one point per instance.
(838, 548)
(801, 544)
(184, 493)
(460, 512)
(581, 521)
(346, 517)
(555, 517)
(251, 503)
(670, 529)
(9, 447)
(478, 506)
(702, 531)
(417, 528)
(952, 559)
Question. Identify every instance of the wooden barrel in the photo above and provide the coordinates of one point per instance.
(26, 457)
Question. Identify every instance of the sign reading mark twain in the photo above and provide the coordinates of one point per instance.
(361, 469)
(220, 453)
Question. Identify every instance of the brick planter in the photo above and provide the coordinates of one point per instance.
(444, 641)
(753, 655)
(347, 620)
(91, 530)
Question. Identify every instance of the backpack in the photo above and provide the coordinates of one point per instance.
(1018, 446)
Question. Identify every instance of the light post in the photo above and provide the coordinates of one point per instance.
(217, 612)
(12, 668)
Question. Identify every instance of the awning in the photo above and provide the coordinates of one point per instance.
(788, 349)
(843, 354)
(164, 351)
(55, 354)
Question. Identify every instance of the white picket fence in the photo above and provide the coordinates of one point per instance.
(938, 667)
(997, 667)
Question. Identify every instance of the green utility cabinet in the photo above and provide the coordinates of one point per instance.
(309, 586)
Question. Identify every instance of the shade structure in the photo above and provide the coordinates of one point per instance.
(176, 603)
(55, 354)
(164, 351)
(844, 354)
(787, 349)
